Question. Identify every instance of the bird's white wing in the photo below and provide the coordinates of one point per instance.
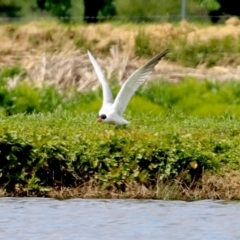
(107, 93)
(134, 81)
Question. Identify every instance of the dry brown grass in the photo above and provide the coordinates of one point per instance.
(2, 192)
(90, 190)
(75, 69)
(56, 54)
(211, 186)
(220, 186)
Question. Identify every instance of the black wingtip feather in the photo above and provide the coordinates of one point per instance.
(156, 59)
(162, 54)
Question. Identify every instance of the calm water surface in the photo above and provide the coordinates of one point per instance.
(40, 218)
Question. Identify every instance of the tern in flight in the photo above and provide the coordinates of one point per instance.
(112, 110)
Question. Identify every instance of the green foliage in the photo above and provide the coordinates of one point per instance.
(108, 9)
(56, 142)
(210, 4)
(191, 97)
(140, 11)
(10, 9)
(64, 148)
(160, 10)
(25, 99)
(57, 8)
(11, 72)
(196, 98)
(80, 41)
(210, 52)
(134, 10)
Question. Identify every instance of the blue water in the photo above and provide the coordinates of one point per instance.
(41, 218)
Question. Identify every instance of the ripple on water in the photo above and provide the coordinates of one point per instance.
(42, 218)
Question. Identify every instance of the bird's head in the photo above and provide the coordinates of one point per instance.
(102, 118)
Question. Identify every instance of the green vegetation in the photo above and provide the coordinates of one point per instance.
(197, 98)
(190, 53)
(142, 44)
(41, 151)
(136, 10)
(155, 11)
(49, 138)
(210, 52)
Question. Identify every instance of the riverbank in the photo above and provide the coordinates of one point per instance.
(212, 186)
(183, 140)
(171, 156)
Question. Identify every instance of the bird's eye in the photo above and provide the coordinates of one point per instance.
(103, 116)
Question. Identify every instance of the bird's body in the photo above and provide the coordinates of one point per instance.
(113, 117)
(112, 110)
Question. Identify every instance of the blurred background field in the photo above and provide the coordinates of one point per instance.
(48, 39)
(47, 58)
(134, 10)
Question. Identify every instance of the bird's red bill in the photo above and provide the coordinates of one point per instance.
(99, 120)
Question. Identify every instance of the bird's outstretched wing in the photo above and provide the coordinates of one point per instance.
(107, 93)
(134, 81)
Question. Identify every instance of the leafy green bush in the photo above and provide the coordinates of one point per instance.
(57, 8)
(108, 9)
(140, 11)
(42, 151)
(62, 145)
(36, 158)
(210, 4)
(153, 10)
(11, 10)
(197, 98)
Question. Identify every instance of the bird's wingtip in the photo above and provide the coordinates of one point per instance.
(166, 50)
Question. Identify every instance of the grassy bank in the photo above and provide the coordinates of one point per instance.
(183, 139)
(51, 145)
(190, 45)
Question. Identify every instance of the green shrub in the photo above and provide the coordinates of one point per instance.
(65, 148)
(172, 125)
(57, 8)
(11, 10)
(198, 98)
(109, 10)
(140, 11)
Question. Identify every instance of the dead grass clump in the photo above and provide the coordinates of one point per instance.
(91, 190)
(2, 192)
(216, 186)
(213, 32)
(55, 54)
(62, 70)
(210, 186)
(234, 21)
(213, 186)
(42, 36)
(74, 69)
(66, 69)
